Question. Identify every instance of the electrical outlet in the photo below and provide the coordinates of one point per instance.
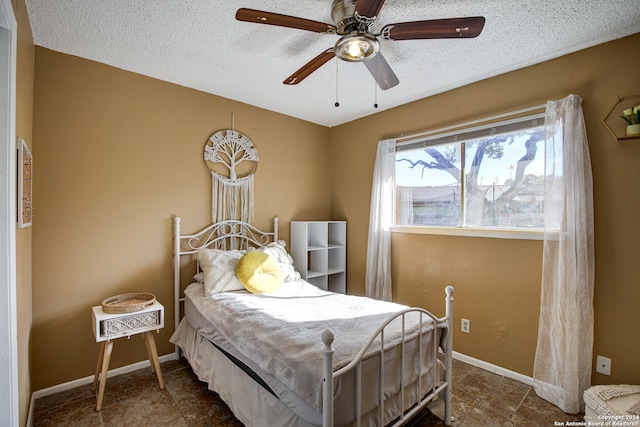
(466, 325)
(603, 365)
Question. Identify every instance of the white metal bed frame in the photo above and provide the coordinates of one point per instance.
(229, 234)
(233, 234)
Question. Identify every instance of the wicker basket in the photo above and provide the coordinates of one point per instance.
(128, 303)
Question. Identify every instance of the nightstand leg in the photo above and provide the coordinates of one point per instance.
(98, 367)
(149, 355)
(153, 356)
(108, 346)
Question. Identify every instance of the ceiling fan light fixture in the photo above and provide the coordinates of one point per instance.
(356, 47)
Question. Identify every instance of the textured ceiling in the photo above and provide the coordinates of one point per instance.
(199, 44)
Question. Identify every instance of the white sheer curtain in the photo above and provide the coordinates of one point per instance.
(378, 274)
(562, 367)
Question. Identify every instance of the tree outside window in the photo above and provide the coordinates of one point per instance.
(494, 181)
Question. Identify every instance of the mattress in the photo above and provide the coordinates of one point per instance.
(257, 406)
(286, 352)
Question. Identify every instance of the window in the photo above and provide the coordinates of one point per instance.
(489, 176)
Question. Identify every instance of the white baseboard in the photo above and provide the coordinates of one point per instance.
(30, 414)
(493, 368)
(89, 380)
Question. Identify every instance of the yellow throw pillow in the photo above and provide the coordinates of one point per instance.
(259, 272)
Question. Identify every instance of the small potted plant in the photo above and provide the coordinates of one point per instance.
(632, 117)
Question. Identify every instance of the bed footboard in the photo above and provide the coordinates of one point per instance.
(442, 388)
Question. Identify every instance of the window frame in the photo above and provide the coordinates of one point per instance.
(510, 122)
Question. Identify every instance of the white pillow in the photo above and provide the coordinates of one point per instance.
(219, 268)
(278, 251)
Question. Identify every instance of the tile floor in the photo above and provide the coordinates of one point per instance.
(480, 398)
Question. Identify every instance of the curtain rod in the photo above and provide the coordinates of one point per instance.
(403, 138)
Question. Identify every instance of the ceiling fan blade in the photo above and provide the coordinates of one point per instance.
(382, 72)
(369, 8)
(310, 67)
(434, 29)
(260, 17)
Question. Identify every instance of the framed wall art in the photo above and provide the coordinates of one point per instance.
(25, 178)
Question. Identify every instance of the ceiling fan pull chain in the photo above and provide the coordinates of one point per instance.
(375, 88)
(337, 104)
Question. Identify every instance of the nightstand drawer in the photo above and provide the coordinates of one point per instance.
(129, 324)
(107, 326)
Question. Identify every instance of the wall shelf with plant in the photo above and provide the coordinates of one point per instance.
(627, 107)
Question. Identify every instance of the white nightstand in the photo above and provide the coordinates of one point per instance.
(108, 327)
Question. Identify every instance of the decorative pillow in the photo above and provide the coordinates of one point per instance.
(259, 272)
(278, 251)
(219, 268)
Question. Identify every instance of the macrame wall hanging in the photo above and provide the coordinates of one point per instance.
(232, 160)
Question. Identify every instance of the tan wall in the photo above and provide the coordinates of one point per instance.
(117, 155)
(498, 281)
(24, 124)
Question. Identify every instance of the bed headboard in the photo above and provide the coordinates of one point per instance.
(226, 235)
(229, 234)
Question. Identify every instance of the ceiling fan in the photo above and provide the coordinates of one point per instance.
(355, 20)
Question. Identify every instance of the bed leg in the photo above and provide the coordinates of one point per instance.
(327, 378)
(176, 278)
(448, 355)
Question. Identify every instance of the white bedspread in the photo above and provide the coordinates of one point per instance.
(281, 332)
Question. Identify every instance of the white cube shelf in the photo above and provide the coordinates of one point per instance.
(319, 252)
